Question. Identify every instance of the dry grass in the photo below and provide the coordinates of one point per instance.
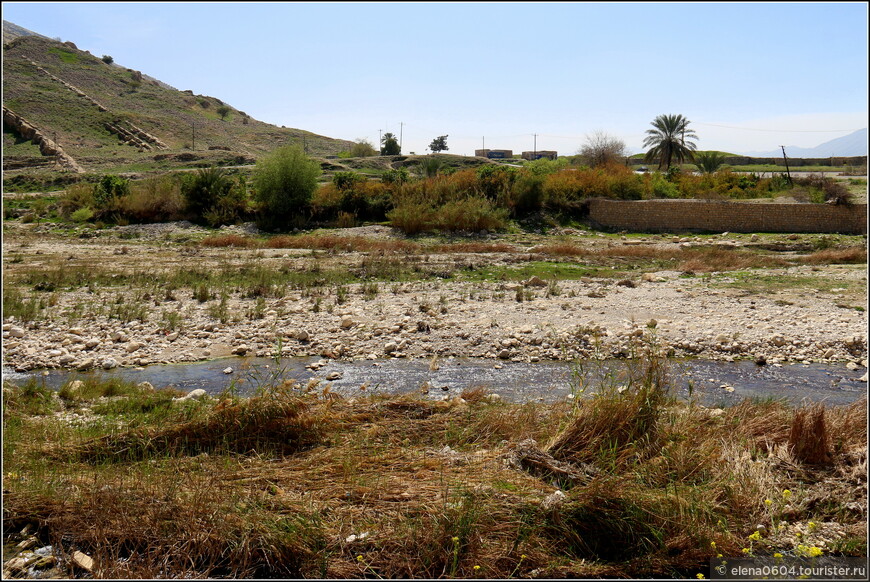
(849, 255)
(808, 439)
(296, 483)
(229, 240)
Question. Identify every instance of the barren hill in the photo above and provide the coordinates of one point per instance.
(107, 118)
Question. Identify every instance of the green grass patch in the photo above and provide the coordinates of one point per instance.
(769, 283)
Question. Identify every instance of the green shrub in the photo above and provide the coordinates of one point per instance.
(347, 180)
(108, 189)
(397, 176)
(412, 218)
(284, 183)
(214, 198)
(76, 196)
(82, 214)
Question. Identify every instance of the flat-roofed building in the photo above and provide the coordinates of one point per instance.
(494, 154)
(549, 154)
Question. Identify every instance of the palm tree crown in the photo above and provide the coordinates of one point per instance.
(670, 140)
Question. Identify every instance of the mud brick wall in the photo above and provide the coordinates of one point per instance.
(717, 216)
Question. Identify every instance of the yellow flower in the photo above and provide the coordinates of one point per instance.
(713, 545)
(767, 502)
(814, 552)
(813, 525)
(745, 550)
(777, 555)
(523, 557)
(786, 494)
(755, 537)
(718, 555)
(476, 568)
(359, 558)
(455, 540)
(699, 576)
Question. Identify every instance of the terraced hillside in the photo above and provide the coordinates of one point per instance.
(106, 117)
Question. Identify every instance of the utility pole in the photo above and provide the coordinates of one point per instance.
(380, 144)
(535, 154)
(401, 127)
(193, 132)
(786, 164)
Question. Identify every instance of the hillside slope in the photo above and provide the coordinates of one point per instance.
(108, 117)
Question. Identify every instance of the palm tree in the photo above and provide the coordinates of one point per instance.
(709, 162)
(670, 140)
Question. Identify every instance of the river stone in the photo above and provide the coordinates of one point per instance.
(830, 353)
(504, 354)
(241, 350)
(390, 347)
(333, 376)
(347, 322)
(195, 394)
(16, 332)
(172, 337)
(228, 370)
(110, 363)
(83, 561)
(145, 386)
(132, 347)
(301, 335)
(92, 343)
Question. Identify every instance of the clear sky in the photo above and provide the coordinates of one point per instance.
(749, 76)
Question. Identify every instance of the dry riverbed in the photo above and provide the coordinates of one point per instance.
(803, 312)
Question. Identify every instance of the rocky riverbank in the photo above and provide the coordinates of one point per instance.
(424, 320)
(708, 315)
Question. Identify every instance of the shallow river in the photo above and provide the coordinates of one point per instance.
(712, 383)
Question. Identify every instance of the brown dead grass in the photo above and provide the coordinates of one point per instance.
(404, 487)
(850, 255)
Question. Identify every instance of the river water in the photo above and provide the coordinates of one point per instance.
(711, 383)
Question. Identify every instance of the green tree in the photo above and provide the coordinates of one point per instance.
(108, 59)
(670, 141)
(284, 182)
(390, 145)
(362, 148)
(223, 111)
(439, 144)
(709, 162)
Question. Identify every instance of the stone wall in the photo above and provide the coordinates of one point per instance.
(717, 216)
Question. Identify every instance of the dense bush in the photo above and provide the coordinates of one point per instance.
(214, 198)
(109, 188)
(284, 183)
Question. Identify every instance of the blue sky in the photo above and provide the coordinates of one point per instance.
(749, 76)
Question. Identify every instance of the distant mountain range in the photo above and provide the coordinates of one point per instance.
(854, 144)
